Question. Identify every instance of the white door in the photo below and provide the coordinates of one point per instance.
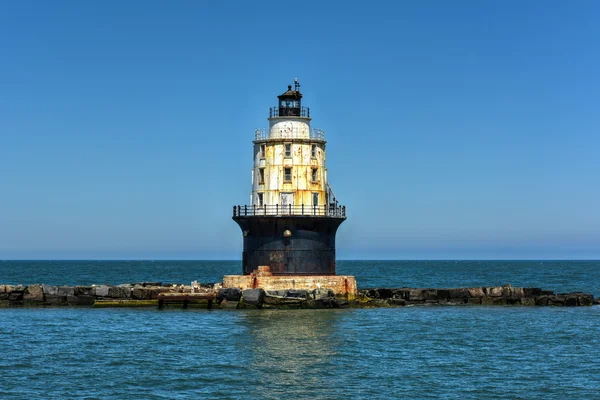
(287, 200)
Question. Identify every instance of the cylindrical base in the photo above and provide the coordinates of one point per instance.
(294, 245)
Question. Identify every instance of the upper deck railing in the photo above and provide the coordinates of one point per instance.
(313, 134)
(333, 211)
(289, 112)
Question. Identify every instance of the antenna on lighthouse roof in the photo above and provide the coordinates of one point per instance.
(296, 85)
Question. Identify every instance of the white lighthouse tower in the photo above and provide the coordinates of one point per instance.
(289, 159)
(293, 216)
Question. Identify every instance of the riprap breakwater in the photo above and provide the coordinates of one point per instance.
(156, 294)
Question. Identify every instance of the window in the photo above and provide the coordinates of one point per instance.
(314, 175)
(288, 150)
(313, 151)
(315, 199)
(262, 151)
(260, 199)
(261, 176)
(287, 174)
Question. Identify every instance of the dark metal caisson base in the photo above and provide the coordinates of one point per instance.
(308, 250)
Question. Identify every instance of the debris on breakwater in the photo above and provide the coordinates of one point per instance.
(155, 294)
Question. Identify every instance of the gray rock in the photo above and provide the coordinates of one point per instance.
(141, 293)
(586, 300)
(459, 293)
(319, 294)
(16, 295)
(496, 291)
(532, 292)
(50, 290)
(34, 293)
(83, 291)
(253, 296)
(415, 294)
(229, 294)
(85, 300)
(516, 293)
(101, 290)
(528, 301)
(385, 293)
(119, 292)
(476, 292)
(66, 291)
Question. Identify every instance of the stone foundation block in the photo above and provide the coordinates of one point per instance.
(34, 293)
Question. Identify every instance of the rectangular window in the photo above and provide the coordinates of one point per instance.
(288, 150)
(287, 175)
(262, 151)
(260, 199)
(314, 175)
(313, 151)
(261, 176)
(315, 199)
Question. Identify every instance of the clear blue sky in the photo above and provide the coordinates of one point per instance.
(463, 129)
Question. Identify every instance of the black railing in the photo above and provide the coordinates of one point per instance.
(290, 210)
(289, 112)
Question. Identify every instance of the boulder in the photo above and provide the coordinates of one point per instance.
(541, 300)
(34, 293)
(371, 293)
(253, 296)
(50, 290)
(229, 294)
(586, 300)
(66, 291)
(83, 291)
(100, 290)
(476, 292)
(293, 298)
(397, 302)
(557, 300)
(385, 293)
(532, 292)
(141, 293)
(429, 294)
(443, 294)
(459, 293)
(16, 295)
(527, 301)
(516, 293)
(85, 300)
(416, 295)
(495, 291)
(403, 294)
(119, 292)
(319, 294)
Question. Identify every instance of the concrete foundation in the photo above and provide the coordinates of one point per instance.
(341, 285)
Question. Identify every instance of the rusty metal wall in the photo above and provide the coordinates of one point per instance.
(310, 250)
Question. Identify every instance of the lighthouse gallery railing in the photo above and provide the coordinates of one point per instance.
(289, 210)
(313, 134)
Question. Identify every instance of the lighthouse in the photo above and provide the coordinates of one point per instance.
(290, 223)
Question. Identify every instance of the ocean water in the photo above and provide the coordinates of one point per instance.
(449, 352)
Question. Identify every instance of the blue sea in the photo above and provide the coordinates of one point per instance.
(453, 352)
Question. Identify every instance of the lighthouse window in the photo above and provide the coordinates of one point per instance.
(315, 199)
(288, 150)
(314, 175)
(261, 176)
(260, 199)
(313, 151)
(262, 151)
(287, 174)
